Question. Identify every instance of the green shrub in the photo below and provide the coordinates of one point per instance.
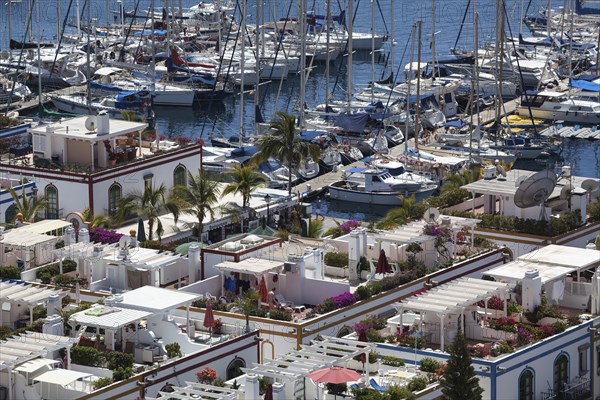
(594, 211)
(366, 394)
(334, 259)
(513, 308)
(116, 359)
(375, 321)
(157, 245)
(559, 327)
(173, 350)
(392, 361)
(63, 280)
(399, 393)
(428, 364)
(218, 382)
(86, 355)
(362, 293)
(39, 312)
(122, 373)
(5, 332)
(364, 264)
(100, 383)
(280, 315)
(375, 336)
(417, 383)
(10, 272)
(337, 388)
(373, 357)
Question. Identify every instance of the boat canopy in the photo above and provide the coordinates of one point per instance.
(585, 85)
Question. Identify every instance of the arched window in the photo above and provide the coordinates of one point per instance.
(346, 330)
(114, 195)
(180, 176)
(51, 193)
(561, 372)
(526, 385)
(234, 369)
(11, 214)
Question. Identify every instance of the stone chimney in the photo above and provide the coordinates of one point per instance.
(354, 253)
(69, 237)
(84, 235)
(54, 305)
(251, 387)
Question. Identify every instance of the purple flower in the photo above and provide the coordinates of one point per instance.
(349, 225)
(344, 299)
(106, 236)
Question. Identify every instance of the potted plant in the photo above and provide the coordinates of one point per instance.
(218, 325)
(184, 141)
(206, 376)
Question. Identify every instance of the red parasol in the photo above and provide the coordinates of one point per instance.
(262, 289)
(334, 375)
(269, 393)
(209, 318)
(383, 266)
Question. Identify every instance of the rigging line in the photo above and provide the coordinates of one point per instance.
(268, 86)
(527, 9)
(221, 57)
(518, 67)
(395, 79)
(137, 51)
(382, 17)
(62, 33)
(462, 23)
(122, 51)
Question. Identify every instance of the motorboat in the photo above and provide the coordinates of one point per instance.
(372, 186)
(124, 105)
(558, 106)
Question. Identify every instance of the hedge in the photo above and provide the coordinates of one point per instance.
(10, 272)
(86, 355)
(339, 260)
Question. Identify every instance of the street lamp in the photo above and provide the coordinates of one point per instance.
(268, 201)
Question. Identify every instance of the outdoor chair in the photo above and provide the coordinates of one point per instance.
(281, 301)
(395, 267)
(376, 386)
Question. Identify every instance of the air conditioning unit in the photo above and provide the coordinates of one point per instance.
(290, 267)
(489, 172)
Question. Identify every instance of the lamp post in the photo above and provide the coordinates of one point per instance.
(268, 201)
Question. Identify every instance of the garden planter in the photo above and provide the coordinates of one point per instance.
(336, 271)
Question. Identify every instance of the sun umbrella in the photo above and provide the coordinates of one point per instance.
(334, 375)
(141, 232)
(269, 393)
(209, 318)
(262, 289)
(383, 266)
(183, 249)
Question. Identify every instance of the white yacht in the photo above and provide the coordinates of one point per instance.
(559, 106)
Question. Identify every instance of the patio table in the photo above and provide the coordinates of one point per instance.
(400, 376)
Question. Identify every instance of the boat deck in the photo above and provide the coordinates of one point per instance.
(22, 106)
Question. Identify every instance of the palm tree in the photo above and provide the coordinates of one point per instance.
(244, 181)
(198, 198)
(28, 206)
(285, 146)
(247, 305)
(150, 204)
(95, 221)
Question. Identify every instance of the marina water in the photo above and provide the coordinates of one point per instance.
(223, 118)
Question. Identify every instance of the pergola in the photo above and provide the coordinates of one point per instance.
(254, 266)
(452, 298)
(194, 390)
(109, 318)
(21, 352)
(19, 293)
(27, 242)
(296, 364)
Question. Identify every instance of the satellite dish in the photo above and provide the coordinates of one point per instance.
(501, 170)
(124, 242)
(431, 214)
(91, 123)
(590, 185)
(520, 180)
(536, 189)
(566, 192)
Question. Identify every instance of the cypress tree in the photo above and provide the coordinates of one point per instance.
(459, 381)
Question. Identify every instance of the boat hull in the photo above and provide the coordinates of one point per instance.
(378, 198)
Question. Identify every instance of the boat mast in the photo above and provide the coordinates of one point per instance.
(9, 5)
(242, 67)
(302, 20)
(57, 19)
(418, 102)
(349, 85)
(392, 45)
(408, 81)
(258, 20)
(474, 82)
(328, 39)
(372, 50)
(77, 18)
(432, 38)
(87, 55)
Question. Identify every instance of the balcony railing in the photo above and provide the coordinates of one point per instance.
(580, 389)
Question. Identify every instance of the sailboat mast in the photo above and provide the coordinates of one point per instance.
(474, 82)
(349, 85)
(372, 49)
(408, 82)
(57, 19)
(87, 55)
(242, 67)
(392, 45)
(328, 38)
(418, 102)
(433, 38)
(259, 17)
(499, 55)
(77, 18)
(302, 20)
(9, 5)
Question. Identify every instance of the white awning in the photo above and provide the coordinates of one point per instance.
(154, 299)
(45, 226)
(24, 293)
(35, 364)
(23, 239)
(565, 256)
(254, 266)
(61, 376)
(108, 317)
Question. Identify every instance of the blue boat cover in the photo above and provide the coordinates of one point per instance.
(102, 86)
(352, 122)
(356, 170)
(585, 85)
(457, 123)
(311, 134)
(147, 32)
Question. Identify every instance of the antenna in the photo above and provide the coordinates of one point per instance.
(590, 185)
(91, 123)
(535, 190)
(124, 247)
(431, 214)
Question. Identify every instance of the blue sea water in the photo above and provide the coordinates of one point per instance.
(225, 118)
